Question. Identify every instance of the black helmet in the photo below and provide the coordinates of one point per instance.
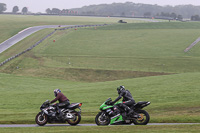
(120, 88)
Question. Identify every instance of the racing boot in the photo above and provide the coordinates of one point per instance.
(60, 115)
(128, 110)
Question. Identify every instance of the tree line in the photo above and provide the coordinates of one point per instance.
(61, 12)
(14, 10)
(128, 9)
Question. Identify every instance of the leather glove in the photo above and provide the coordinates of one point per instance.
(112, 103)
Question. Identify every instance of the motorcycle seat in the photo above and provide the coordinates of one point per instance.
(72, 106)
(141, 104)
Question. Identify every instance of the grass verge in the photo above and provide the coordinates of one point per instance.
(110, 129)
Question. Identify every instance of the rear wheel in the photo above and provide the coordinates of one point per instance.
(102, 119)
(75, 120)
(143, 118)
(40, 119)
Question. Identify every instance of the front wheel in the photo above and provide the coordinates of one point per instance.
(75, 120)
(143, 118)
(40, 119)
(102, 119)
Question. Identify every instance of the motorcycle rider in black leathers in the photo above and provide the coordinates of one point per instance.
(127, 99)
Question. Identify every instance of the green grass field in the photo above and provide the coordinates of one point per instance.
(88, 65)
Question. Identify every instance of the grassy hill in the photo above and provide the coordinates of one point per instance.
(126, 51)
(88, 64)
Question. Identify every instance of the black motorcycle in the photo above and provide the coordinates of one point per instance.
(50, 114)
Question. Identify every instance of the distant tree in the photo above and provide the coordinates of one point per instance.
(25, 10)
(15, 9)
(48, 11)
(147, 14)
(195, 18)
(56, 11)
(2, 7)
(163, 14)
(192, 17)
(173, 15)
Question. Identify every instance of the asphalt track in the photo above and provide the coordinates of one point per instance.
(23, 34)
(59, 125)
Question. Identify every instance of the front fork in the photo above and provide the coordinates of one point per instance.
(44, 112)
(102, 116)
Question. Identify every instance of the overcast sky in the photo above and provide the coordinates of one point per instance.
(42, 5)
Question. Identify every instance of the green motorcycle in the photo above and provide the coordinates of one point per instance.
(115, 115)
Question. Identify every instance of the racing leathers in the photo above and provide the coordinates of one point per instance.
(126, 102)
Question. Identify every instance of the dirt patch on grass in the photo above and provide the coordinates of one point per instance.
(106, 75)
(85, 75)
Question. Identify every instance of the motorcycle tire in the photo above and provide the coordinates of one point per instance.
(41, 120)
(102, 122)
(144, 118)
(75, 120)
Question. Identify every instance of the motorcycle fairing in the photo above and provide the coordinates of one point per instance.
(115, 119)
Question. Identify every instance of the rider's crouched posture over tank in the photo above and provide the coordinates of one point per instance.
(63, 101)
(127, 99)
